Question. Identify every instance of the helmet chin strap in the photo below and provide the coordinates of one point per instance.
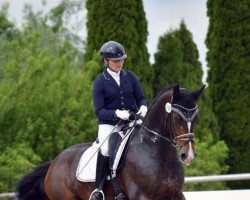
(106, 63)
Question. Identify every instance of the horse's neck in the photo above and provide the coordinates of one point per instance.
(158, 150)
(156, 120)
(155, 160)
(154, 145)
(152, 160)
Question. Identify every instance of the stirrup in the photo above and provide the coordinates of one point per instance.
(96, 190)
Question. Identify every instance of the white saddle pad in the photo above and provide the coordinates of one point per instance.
(86, 170)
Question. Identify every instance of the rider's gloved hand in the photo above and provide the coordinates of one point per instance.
(122, 114)
(142, 111)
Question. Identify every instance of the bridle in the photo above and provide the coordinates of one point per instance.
(186, 114)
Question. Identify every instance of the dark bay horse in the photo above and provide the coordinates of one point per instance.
(152, 169)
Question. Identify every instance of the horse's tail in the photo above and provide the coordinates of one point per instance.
(31, 186)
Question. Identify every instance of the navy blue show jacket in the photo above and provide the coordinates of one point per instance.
(108, 96)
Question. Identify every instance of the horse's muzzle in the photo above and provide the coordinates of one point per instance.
(188, 154)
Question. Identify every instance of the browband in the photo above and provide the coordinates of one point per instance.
(188, 114)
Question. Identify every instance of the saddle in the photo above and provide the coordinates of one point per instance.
(86, 170)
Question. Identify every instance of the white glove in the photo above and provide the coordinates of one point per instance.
(142, 111)
(122, 114)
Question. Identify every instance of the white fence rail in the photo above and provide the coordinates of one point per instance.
(218, 195)
(196, 179)
(7, 196)
(229, 177)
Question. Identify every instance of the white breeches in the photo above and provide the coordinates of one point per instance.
(103, 135)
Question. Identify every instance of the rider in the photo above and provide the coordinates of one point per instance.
(116, 93)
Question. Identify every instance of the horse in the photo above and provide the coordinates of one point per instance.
(153, 164)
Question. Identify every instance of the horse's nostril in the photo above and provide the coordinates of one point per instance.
(183, 156)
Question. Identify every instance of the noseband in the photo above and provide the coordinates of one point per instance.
(188, 137)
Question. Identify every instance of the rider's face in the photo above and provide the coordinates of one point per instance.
(115, 65)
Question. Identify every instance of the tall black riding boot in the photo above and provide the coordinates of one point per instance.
(102, 169)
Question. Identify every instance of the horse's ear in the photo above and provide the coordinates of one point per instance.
(176, 92)
(198, 92)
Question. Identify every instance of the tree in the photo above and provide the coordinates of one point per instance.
(124, 22)
(6, 26)
(168, 61)
(191, 68)
(228, 59)
(44, 97)
(14, 162)
(7, 32)
(176, 61)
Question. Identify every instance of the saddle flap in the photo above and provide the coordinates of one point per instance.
(86, 170)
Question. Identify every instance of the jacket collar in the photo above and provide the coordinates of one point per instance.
(107, 76)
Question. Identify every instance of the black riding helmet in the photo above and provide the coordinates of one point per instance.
(112, 50)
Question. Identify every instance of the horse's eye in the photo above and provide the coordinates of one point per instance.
(177, 118)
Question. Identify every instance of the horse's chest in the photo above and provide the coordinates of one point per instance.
(153, 175)
(155, 181)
